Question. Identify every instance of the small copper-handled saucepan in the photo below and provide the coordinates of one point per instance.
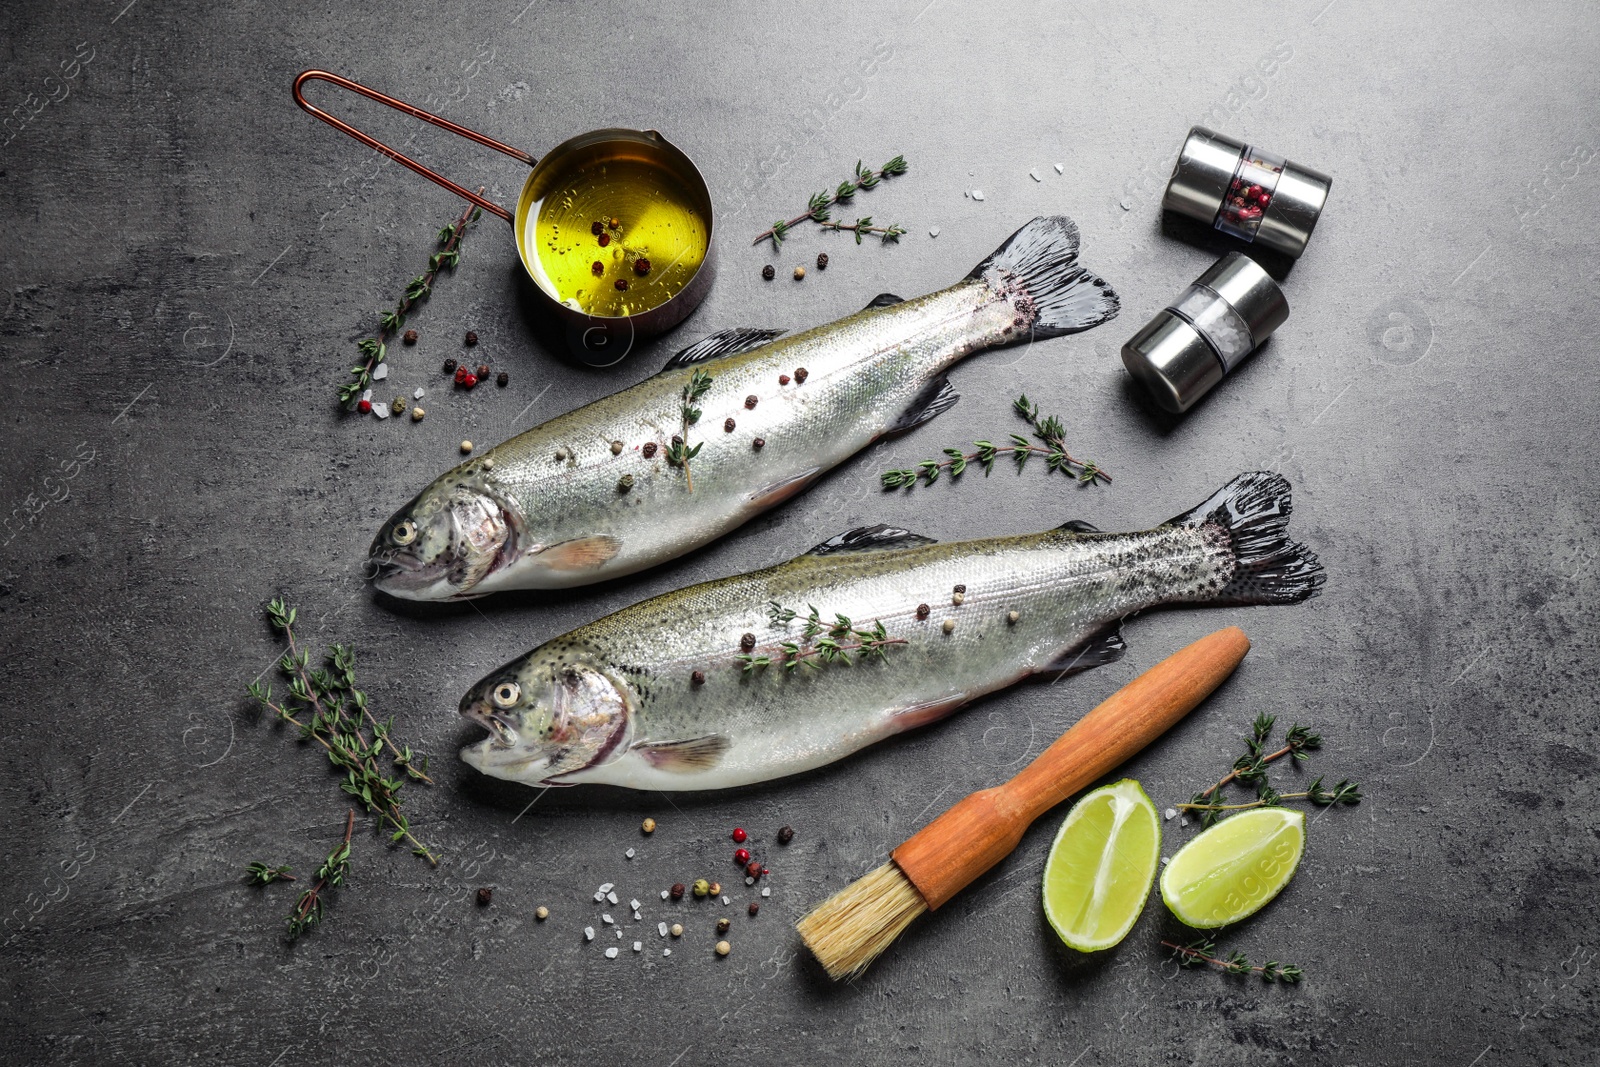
(613, 226)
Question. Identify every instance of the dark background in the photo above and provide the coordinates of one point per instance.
(188, 261)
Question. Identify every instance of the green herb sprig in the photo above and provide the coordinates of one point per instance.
(1251, 769)
(376, 349)
(678, 452)
(817, 207)
(1048, 432)
(843, 638)
(324, 705)
(863, 226)
(266, 874)
(308, 909)
(1203, 952)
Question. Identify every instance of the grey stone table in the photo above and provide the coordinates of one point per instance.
(188, 261)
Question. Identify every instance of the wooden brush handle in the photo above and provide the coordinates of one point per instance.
(980, 831)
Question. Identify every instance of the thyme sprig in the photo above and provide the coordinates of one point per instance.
(376, 349)
(843, 638)
(678, 452)
(324, 705)
(1203, 951)
(817, 207)
(863, 226)
(308, 909)
(1251, 769)
(265, 874)
(1049, 432)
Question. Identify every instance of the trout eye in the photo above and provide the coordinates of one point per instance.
(505, 694)
(405, 532)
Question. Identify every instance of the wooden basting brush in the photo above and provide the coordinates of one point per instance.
(850, 929)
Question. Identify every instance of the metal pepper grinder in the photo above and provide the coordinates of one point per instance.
(1246, 192)
(1208, 331)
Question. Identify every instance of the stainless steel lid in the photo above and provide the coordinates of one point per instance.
(1213, 325)
(1280, 215)
(1206, 164)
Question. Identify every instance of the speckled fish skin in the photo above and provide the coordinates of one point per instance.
(616, 702)
(550, 508)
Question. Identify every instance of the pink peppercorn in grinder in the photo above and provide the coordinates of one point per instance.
(1245, 192)
(1208, 331)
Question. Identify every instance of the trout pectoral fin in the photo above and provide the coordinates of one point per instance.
(931, 401)
(682, 757)
(921, 714)
(776, 493)
(1103, 646)
(581, 553)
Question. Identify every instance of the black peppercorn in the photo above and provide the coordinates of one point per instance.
(960, 589)
(449, 366)
(503, 380)
(604, 239)
(677, 891)
(641, 266)
(768, 272)
(597, 228)
(822, 261)
(621, 285)
(483, 896)
(754, 907)
(727, 425)
(472, 337)
(649, 449)
(783, 379)
(597, 268)
(799, 376)
(411, 337)
(785, 834)
(751, 401)
(759, 443)
(698, 678)
(483, 370)
(922, 611)
(747, 642)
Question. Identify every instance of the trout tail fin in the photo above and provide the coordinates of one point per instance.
(1038, 269)
(1252, 511)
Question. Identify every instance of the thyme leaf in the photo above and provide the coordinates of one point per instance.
(819, 203)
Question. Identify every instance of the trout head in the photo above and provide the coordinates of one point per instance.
(442, 544)
(546, 719)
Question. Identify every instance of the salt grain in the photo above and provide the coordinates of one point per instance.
(724, 901)
(605, 917)
(611, 953)
(665, 894)
(380, 372)
(612, 897)
(638, 946)
(598, 897)
(619, 935)
(666, 952)
(749, 881)
(766, 891)
(608, 887)
(588, 933)
(418, 394)
(933, 231)
(634, 904)
(629, 853)
(977, 194)
(381, 410)
(662, 929)
(1035, 176)
(366, 394)
(636, 916)
(1060, 169)
(1170, 813)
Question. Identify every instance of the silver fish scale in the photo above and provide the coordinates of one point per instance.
(1065, 586)
(863, 373)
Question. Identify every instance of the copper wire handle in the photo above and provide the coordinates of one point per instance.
(415, 112)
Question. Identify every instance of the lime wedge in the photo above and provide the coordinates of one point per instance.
(1233, 869)
(1102, 865)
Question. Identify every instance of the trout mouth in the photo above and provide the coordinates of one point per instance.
(502, 734)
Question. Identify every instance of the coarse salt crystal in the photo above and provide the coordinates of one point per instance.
(381, 410)
(662, 927)
(1060, 169)
(380, 372)
(749, 881)
(611, 897)
(588, 933)
(638, 946)
(634, 904)
(607, 887)
(724, 900)
(1171, 813)
(1034, 174)
(598, 897)
(977, 194)
(605, 917)
(933, 231)
(664, 894)
(629, 853)
(619, 935)
(666, 952)
(766, 891)
(418, 394)
(366, 394)
(636, 916)
(611, 953)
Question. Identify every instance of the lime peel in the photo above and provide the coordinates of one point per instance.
(1233, 870)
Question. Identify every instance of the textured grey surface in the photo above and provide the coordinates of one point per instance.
(188, 260)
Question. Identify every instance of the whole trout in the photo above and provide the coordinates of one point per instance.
(876, 631)
(735, 424)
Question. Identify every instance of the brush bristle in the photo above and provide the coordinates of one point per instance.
(850, 929)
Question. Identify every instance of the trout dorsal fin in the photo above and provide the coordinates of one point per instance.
(1079, 526)
(871, 539)
(723, 343)
(884, 300)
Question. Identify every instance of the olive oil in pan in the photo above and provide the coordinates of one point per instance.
(618, 237)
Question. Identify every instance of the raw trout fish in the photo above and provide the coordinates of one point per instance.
(607, 490)
(735, 681)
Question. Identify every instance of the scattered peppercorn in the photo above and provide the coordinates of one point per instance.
(469, 380)
(621, 285)
(677, 439)
(484, 895)
(398, 406)
(783, 379)
(754, 907)
(696, 677)
(364, 406)
(768, 273)
(461, 373)
(759, 443)
(597, 268)
(722, 926)
(483, 370)
(822, 261)
(597, 228)
(727, 425)
(723, 948)
(449, 366)
(785, 834)
(677, 930)
(466, 446)
(502, 379)
(958, 599)
(923, 610)
(753, 869)
(641, 266)
(472, 337)
(949, 626)
(541, 913)
(800, 375)
(604, 239)
(676, 892)
(615, 223)
(616, 448)
(751, 401)
(417, 413)
(739, 835)
(649, 449)
(741, 856)
(648, 826)
(701, 887)
(624, 484)
(715, 889)
(799, 273)
(1012, 617)
(409, 337)
(747, 642)
(960, 589)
